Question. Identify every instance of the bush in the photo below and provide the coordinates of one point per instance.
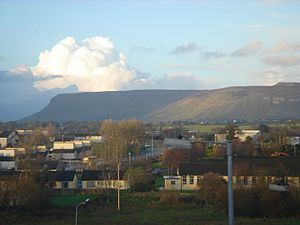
(169, 198)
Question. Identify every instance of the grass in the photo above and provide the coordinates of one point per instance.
(136, 209)
(58, 201)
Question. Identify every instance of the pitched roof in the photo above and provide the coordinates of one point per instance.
(5, 134)
(202, 168)
(100, 175)
(63, 151)
(62, 175)
(94, 175)
(7, 158)
(38, 164)
(245, 167)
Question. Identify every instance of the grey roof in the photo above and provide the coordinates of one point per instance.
(63, 151)
(62, 175)
(7, 158)
(245, 167)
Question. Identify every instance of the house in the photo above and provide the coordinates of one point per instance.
(37, 165)
(86, 180)
(63, 180)
(293, 137)
(247, 173)
(9, 139)
(7, 163)
(57, 154)
(63, 145)
(176, 143)
(101, 179)
(242, 135)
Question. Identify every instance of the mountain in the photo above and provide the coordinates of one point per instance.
(281, 101)
(116, 105)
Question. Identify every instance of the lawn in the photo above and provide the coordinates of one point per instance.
(136, 209)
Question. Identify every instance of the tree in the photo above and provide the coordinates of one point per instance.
(213, 190)
(172, 157)
(139, 181)
(197, 151)
(120, 138)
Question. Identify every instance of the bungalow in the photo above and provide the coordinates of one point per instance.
(63, 180)
(96, 179)
(247, 173)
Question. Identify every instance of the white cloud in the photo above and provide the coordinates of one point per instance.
(92, 65)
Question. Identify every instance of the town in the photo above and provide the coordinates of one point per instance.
(98, 158)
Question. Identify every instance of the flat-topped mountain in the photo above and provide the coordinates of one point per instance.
(281, 101)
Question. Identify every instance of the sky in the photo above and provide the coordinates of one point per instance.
(62, 46)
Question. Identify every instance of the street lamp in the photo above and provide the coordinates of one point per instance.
(77, 206)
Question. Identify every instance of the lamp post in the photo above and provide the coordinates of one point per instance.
(77, 206)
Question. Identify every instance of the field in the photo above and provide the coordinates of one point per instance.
(136, 209)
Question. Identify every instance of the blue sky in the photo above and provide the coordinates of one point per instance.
(120, 45)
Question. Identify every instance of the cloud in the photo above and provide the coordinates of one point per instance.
(213, 55)
(144, 49)
(284, 46)
(285, 61)
(185, 49)
(177, 80)
(276, 74)
(91, 65)
(248, 50)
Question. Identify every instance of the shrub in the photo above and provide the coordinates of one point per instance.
(169, 197)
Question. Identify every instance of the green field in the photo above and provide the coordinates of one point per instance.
(136, 209)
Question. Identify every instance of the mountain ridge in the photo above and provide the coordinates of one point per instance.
(280, 101)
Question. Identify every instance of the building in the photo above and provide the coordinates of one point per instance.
(9, 139)
(242, 135)
(247, 173)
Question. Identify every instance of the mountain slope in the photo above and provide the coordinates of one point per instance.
(281, 101)
(104, 105)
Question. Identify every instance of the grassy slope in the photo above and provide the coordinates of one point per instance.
(138, 209)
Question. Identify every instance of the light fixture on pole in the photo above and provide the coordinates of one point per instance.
(76, 210)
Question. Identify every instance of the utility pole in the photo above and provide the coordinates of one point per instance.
(152, 149)
(119, 186)
(230, 189)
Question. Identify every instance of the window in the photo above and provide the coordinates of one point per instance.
(183, 179)
(173, 182)
(90, 184)
(65, 184)
(254, 180)
(245, 181)
(198, 180)
(238, 180)
(192, 180)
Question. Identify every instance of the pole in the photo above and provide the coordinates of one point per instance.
(118, 186)
(76, 214)
(76, 210)
(152, 149)
(230, 189)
